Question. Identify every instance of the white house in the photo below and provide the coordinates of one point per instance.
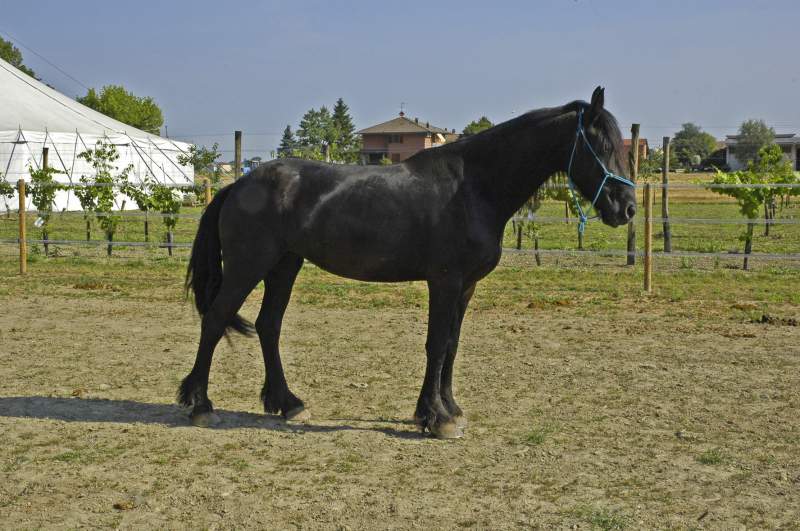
(789, 143)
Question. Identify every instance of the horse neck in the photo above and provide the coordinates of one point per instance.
(509, 166)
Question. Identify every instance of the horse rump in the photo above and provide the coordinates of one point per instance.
(204, 274)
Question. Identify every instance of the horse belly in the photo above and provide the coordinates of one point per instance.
(366, 245)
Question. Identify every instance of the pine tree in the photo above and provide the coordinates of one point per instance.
(346, 142)
(288, 143)
(326, 126)
(321, 131)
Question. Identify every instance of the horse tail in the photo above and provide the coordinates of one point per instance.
(204, 274)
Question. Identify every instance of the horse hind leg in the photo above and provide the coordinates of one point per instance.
(275, 395)
(237, 283)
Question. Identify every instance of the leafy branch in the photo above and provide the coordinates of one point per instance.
(42, 190)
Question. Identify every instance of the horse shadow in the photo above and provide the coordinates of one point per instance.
(169, 415)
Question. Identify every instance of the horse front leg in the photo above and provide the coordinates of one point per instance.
(431, 413)
(447, 370)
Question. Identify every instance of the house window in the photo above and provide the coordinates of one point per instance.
(395, 139)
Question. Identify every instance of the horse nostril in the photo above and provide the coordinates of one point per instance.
(630, 211)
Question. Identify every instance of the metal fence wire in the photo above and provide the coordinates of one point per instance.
(531, 217)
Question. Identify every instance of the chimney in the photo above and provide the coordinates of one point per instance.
(416, 120)
(402, 113)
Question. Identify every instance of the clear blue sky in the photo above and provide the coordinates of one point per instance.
(256, 66)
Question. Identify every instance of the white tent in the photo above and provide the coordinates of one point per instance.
(34, 116)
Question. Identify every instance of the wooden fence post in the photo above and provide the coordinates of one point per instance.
(23, 243)
(237, 154)
(207, 189)
(633, 174)
(45, 235)
(648, 238)
(665, 198)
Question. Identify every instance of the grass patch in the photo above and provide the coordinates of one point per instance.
(713, 456)
(72, 456)
(538, 435)
(240, 465)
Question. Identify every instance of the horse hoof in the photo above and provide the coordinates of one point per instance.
(419, 422)
(205, 420)
(298, 414)
(447, 430)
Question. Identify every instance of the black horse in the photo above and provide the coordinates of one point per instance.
(438, 216)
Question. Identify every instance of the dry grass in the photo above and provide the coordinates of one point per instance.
(613, 410)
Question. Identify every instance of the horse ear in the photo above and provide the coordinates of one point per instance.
(596, 105)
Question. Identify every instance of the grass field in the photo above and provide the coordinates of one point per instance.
(590, 403)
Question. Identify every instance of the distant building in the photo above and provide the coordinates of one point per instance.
(400, 138)
(644, 149)
(253, 163)
(789, 144)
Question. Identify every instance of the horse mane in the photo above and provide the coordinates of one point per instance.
(609, 136)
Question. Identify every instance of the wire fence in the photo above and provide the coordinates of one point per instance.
(711, 233)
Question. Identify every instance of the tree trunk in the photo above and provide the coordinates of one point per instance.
(519, 236)
(46, 245)
(580, 240)
(566, 212)
(169, 242)
(88, 230)
(766, 218)
(146, 228)
(110, 239)
(536, 249)
(748, 244)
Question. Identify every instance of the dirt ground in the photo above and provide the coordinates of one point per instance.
(625, 414)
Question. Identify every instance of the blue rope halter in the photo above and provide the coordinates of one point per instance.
(581, 133)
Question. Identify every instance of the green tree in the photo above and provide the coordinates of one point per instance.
(12, 55)
(753, 135)
(43, 190)
(320, 132)
(651, 167)
(288, 143)
(476, 126)
(116, 102)
(7, 191)
(313, 134)
(141, 194)
(346, 144)
(107, 178)
(314, 127)
(87, 197)
(203, 160)
(692, 145)
(769, 168)
(168, 201)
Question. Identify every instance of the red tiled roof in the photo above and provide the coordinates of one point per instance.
(401, 124)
